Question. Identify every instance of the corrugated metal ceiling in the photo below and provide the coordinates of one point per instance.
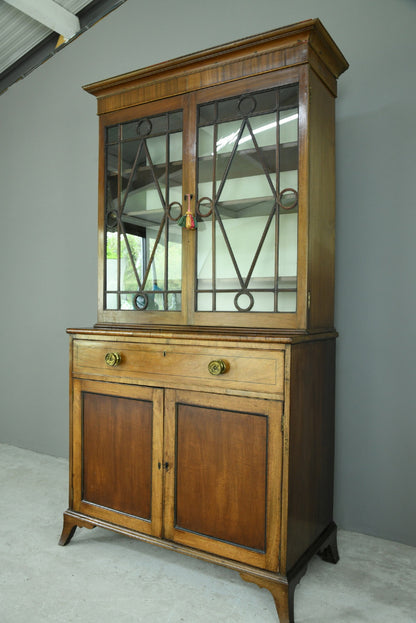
(25, 43)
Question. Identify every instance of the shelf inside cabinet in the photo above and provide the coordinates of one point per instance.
(250, 207)
(249, 162)
(224, 284)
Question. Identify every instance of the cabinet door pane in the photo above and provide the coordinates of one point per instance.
(247, 173)
(143, 247)
(117, 456)
(222, 474)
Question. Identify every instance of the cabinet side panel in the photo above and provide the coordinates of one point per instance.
(311, 445)
(321, 204)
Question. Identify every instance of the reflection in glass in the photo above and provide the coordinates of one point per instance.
(248, 172)
(288, 122)
(143, 243)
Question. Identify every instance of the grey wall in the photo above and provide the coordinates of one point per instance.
(48, 182)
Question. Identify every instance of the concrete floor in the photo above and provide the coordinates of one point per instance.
(101, 577)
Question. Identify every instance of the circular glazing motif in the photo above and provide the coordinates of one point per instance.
(247, 105)
(144, 127)
(244, 301)
(140, 301)
(179, 207)
(202, 201)
(112, 220)
(281, 200)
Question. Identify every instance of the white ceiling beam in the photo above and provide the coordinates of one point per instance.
(50, 14)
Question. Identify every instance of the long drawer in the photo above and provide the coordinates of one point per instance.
(180, 366)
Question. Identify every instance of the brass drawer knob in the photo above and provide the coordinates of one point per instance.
(112, 359)
(217, 367)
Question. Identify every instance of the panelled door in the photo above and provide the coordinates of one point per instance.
(223, 476)
(199, 469)
(117, 432)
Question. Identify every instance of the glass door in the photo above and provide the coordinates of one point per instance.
(228, 157)
(143, 202)
(247, 203)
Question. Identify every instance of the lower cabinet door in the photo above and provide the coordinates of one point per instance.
(117, 454)
(223, 480)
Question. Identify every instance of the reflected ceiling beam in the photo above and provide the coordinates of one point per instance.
(51, 15)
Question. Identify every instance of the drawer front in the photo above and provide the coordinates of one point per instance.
(181, 366)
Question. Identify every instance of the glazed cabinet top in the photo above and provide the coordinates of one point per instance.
(217, 186)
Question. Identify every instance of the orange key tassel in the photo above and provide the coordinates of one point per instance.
(188, 220)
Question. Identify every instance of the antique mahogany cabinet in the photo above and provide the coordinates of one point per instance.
(202, 401)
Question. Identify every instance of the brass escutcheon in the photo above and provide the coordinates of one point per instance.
(217, 367)
(112, 359)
